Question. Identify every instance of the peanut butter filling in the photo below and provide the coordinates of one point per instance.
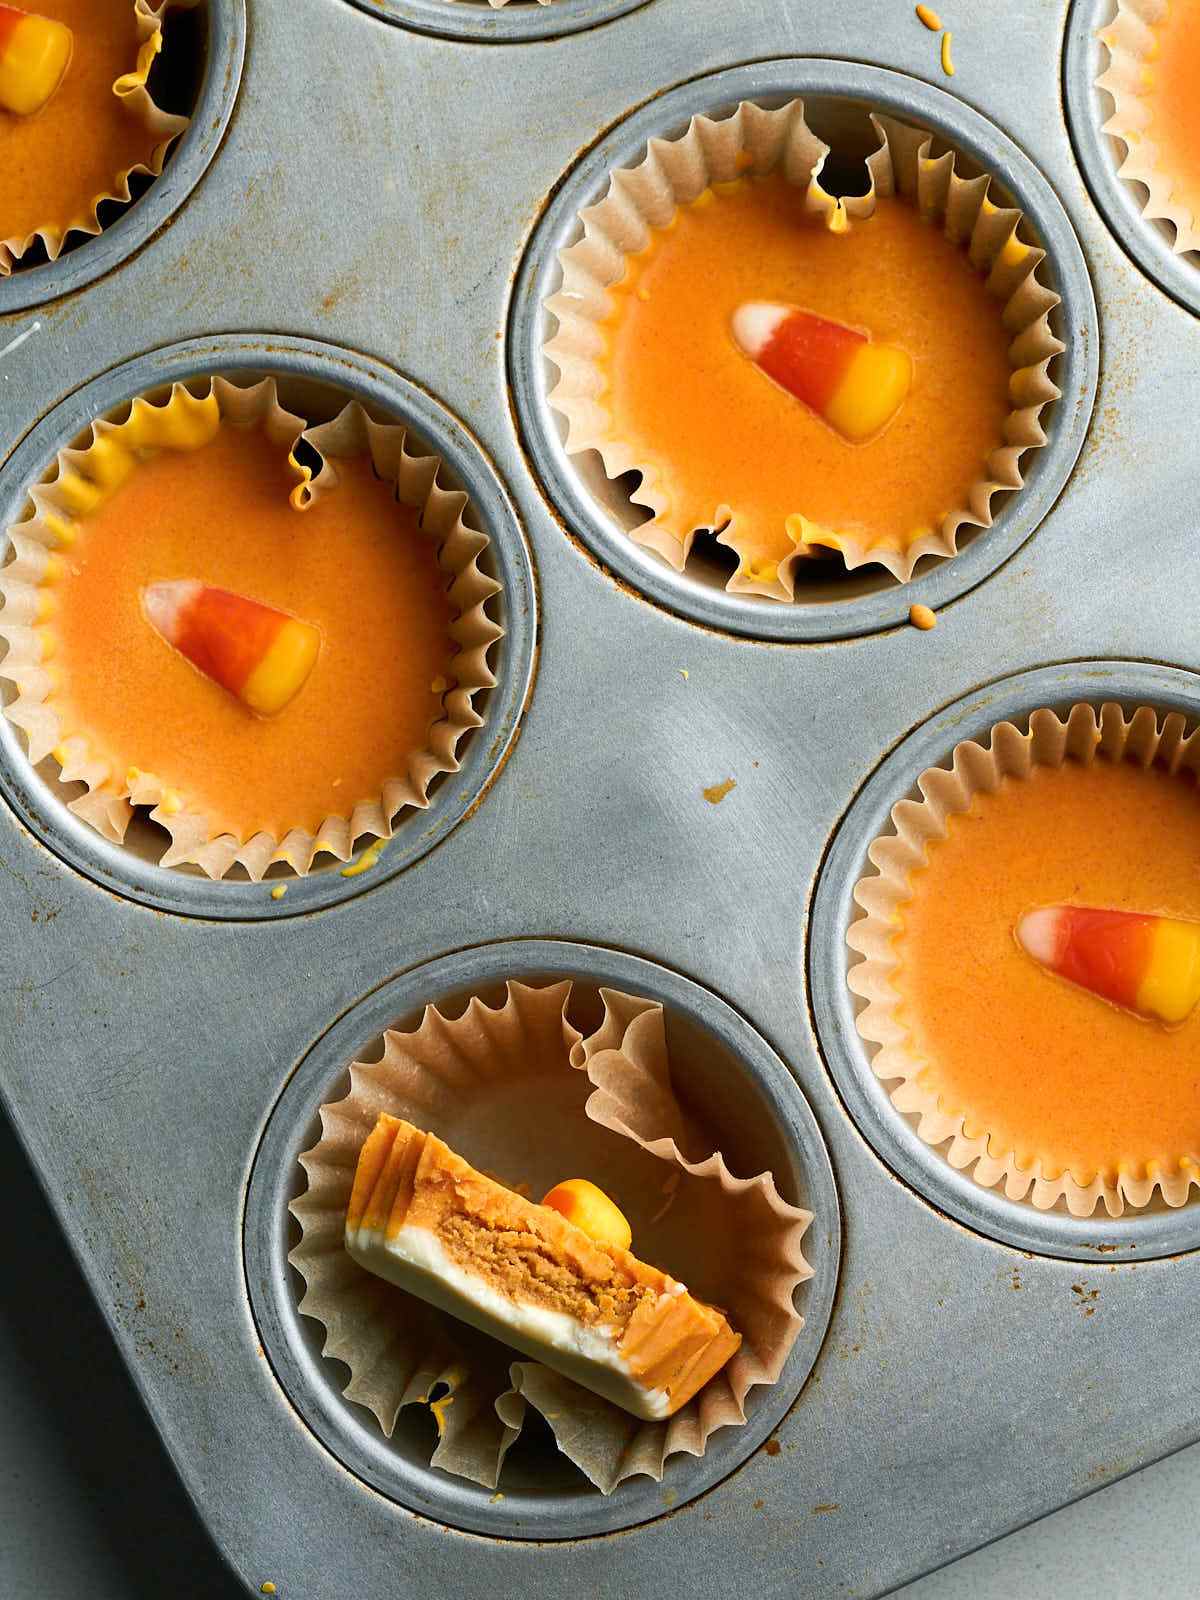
(520, 1264)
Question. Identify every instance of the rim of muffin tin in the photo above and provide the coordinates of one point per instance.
(292, 1342)
(454, 795)
(514, 23)
(1136, 1235)
(187, 162)
(1146, 240)
(936, 582)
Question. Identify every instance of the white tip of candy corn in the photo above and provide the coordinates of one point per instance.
(754, 325)
(164, 602)
(1037, 934)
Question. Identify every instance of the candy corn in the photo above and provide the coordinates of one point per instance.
(35, 53)
(261, 655)
(590, 1208)
(1149, 965)
(855, 385)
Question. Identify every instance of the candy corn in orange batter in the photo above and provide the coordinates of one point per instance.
(1147, 964)
(56, 166)
(855, 385)
(261, 655)
(35, 53)
(1040, 1067)
(715, 436)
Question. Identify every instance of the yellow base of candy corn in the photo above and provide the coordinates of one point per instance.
(1171, 988)
(33, 64)
(873, 390)
(283, 671)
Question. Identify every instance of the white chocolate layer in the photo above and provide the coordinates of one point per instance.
(415, 1261)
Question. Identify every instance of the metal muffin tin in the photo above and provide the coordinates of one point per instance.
(517, 23)
(780, 1135)
(377, 191)
(1149, 242)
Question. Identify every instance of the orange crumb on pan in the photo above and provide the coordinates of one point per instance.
(717, 792)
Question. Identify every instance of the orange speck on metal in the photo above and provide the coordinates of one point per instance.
(717, 792)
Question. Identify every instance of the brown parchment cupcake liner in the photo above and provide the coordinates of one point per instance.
(1082, 736)
(81, 479)
(1132, 45)
(521, 1093)
(130, 88)
(754, 142)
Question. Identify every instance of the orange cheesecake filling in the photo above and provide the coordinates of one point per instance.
(354, 567)
(57, 163)
(717, 436)
(1168, 91)
(1036, 1064)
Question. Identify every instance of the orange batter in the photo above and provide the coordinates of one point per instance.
(354, 564)
(1169, 92)
(55, 164)
(718, 432)
(1044, 1068)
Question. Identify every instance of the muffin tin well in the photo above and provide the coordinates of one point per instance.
(838, 97)
(514, 23)
(1155, 1231)
(203, 88)
(389, 189)
(720, 1063)
(320, 379)
(1149, 241)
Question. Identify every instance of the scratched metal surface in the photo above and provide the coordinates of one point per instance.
(374, 189)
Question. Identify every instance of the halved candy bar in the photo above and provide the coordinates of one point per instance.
(261, 655)
(424, 1219)
(1147, 964)
(857, 386)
